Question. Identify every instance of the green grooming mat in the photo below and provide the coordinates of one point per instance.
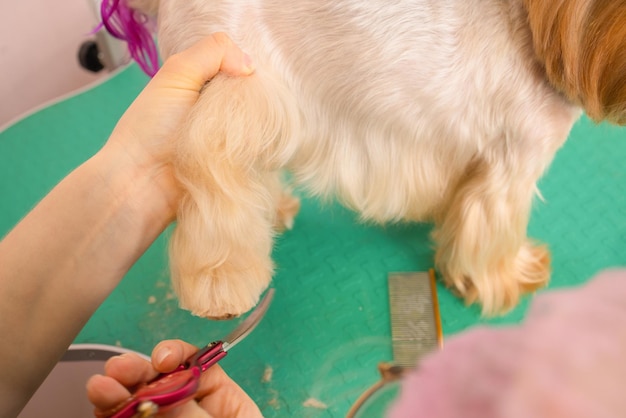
(329, 324)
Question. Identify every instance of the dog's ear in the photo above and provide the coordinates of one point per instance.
(582, 44)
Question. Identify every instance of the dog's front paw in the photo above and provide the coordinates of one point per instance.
(499, 285)
(223, 291)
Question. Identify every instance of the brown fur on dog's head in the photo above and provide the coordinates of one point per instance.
(582, 44)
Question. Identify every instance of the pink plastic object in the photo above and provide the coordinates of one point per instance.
(131, 26)
(171, 389)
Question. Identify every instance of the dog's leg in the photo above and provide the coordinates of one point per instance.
(287, 205)
(483, 251)
(237, 137)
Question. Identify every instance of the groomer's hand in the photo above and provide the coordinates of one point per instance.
(218, 397)
(146, 133)
(97, 222)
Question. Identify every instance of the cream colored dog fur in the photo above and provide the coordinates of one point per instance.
(408, 110)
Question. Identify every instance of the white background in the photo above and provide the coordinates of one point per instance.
(39, 42)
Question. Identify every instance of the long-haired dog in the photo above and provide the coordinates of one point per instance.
(406, 110)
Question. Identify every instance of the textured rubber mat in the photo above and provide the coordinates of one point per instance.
(329, 323)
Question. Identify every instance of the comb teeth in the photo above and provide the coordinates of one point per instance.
(414, 327)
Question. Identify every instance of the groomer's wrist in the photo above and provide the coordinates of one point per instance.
(144, 190)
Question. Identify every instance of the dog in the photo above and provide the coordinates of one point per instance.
(407, 110)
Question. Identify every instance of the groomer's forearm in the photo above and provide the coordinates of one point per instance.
(64, 258)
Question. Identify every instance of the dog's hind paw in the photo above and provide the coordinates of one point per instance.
(499, 289)
(287, 208)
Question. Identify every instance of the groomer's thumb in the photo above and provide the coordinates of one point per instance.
(193, 67)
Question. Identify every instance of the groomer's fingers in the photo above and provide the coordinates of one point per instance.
(147, 130)
(218, 394)
(169, 354)
(218, 397)
(121, 372)
(104, 392)
(193, 67)
(129, 369)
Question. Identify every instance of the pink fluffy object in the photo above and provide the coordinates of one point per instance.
(566, 360)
